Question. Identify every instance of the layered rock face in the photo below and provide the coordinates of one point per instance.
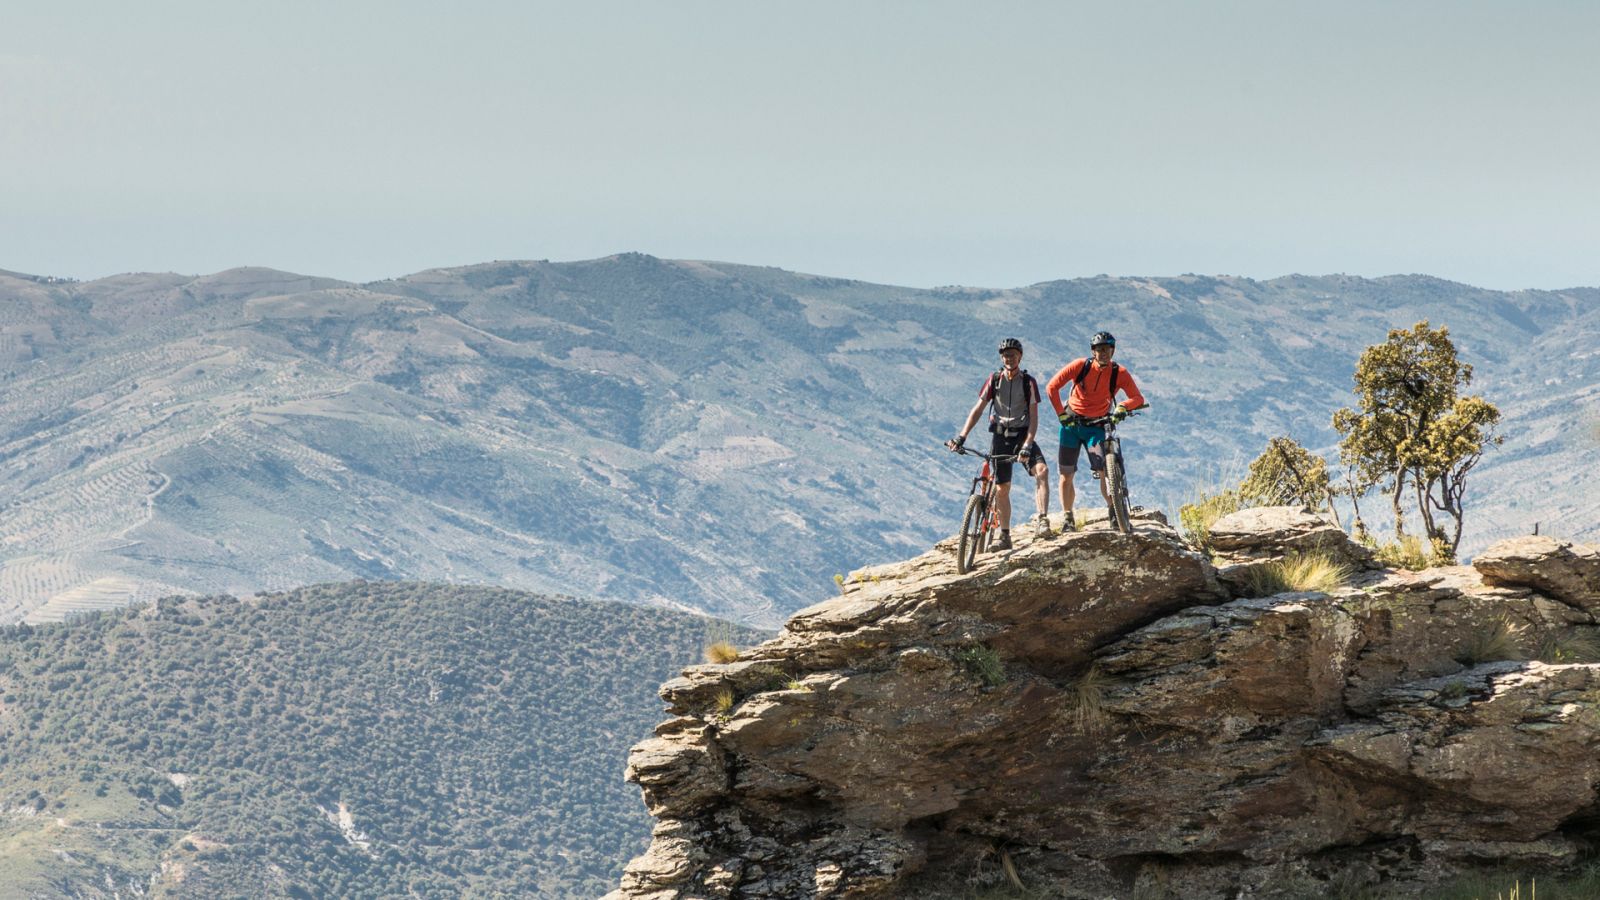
(1105, 715)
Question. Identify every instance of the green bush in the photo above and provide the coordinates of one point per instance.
(983, 663)
(1196, 518)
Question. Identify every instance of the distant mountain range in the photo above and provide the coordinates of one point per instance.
(704, 435)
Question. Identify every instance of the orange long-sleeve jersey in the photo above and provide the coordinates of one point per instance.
(1092, 398)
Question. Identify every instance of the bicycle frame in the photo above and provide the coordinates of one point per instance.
(1116, 470)
(985, 491)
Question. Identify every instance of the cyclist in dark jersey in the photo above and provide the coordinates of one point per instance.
(1014, 397)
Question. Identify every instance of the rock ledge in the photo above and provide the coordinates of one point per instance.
(1101, 714)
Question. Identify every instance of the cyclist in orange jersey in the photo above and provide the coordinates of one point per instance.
(1095, 383)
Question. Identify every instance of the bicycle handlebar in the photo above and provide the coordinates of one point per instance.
(968, 451)
(1106, 419)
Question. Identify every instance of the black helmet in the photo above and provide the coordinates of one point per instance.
(1010, 344)
(1102, 337)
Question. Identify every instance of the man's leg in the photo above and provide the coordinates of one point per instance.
(1041, 488)
(1097, 464)
(1002, 505)
(1067, 464)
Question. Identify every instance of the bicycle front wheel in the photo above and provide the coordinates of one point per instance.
(971, 533)
(1117, 489)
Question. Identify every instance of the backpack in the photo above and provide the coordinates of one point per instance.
(1083, 373)
(994, 392)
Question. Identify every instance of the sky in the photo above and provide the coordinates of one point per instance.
(917, 143)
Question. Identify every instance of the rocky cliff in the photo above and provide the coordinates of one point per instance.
(1096, 714)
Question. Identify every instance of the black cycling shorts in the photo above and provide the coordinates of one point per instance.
(1005, 445)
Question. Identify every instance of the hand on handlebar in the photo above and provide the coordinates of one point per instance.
(955, 444)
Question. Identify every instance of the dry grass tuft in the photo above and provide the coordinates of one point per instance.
(1304, 572)
(1087, 696)
(1410, 553)
(1010, 868)
(1492, 643)
(723, 700)
(1570, 647)
(721, 652)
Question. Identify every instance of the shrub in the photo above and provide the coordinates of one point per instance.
(983, 663)
(1197, 518)
(772, 677)
(1303, 572)
(721, 652)
(723, 700)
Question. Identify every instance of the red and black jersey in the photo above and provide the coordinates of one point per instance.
(1009, 399)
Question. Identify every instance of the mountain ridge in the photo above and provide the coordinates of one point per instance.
(647, 430)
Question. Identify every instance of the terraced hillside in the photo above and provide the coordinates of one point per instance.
(353, 740)
(717, 436)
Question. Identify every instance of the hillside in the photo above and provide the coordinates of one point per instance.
(639, 429)
(352, 740)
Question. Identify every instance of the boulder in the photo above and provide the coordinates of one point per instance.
(1272, 532)
(1561, 569)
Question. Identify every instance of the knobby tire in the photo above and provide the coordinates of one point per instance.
(971, 534)
(1117, 487)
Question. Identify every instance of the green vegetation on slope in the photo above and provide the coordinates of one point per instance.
(474, 737)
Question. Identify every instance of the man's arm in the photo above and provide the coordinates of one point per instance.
(1126, 385)
(972, 417)
(1067, 373)
(1033, 411)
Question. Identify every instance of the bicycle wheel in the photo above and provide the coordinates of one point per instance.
(986, 522)
(1117, 488)
(971, 534)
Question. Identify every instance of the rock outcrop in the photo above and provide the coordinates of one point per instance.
(1098, 715)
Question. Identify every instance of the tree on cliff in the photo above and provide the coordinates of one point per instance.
(1412, 428)
(1286, 473)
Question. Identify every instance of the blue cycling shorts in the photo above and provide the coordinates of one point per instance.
(1073, 439)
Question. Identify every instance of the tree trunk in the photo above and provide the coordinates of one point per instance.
(1424, 505)
(1394, 501)
(1355, 499)
(1451, 492)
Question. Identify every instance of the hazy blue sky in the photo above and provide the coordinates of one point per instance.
(922, 143)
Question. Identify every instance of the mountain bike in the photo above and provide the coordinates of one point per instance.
(979, 518)
(1116, 474)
